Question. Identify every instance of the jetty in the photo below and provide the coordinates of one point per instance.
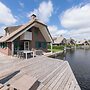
(39, 73)
(54, 54)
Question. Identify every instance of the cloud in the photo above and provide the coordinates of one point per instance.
(76, 17)
(55, 31)
(80, 33)
(6, 16)
(44, 11)
(2, 30)
(21, 4)
(77, 21)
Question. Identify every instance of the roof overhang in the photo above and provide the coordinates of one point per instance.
(43, 29)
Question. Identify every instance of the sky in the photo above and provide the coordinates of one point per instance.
(70, 18)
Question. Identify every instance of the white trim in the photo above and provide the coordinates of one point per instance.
(25, 45)
(12, 48)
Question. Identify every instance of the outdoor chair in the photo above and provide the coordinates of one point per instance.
(38, 52)
(20, 54)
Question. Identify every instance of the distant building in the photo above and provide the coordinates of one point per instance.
(60, 40)
(83, 42)
(71, 41)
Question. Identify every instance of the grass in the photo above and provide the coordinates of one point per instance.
(55, 48)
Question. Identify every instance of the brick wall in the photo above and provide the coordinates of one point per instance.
(4, 50)
(7, 50)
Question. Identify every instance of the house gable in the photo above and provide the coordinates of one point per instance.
(41, 27)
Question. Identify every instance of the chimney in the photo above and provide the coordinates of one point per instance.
(33, 17)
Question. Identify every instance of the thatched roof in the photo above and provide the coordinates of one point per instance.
(58, 40)
(21, 29)
(71, 41)
(82, 42)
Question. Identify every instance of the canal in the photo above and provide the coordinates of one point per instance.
(79, 61)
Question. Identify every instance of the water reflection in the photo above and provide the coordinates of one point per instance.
(79, 61)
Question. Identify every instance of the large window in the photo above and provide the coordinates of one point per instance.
(41, 45)
(3, 45)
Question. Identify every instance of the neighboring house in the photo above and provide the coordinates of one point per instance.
(33, 35)
(59, 40)
(83, 42)
(71, 41)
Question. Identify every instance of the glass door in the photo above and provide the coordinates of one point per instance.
(26, 45)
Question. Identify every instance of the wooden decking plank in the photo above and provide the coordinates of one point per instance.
(73, 79)
(53, 79)
(43, 76)
(30, 67)
(36, 70)
(25, 70)
(48, 80)
(51, 75)
(67, 86)
(72, 86)
(44, 72)
(64, 81)
(58, 81)
(77, 87)
(40, 86)
(15, 67)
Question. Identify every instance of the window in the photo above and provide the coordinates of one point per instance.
(44, 44)
(41, 45)
(3, 45)
(36, 32)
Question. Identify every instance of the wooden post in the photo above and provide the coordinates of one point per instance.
(51, 47)
(12, 48)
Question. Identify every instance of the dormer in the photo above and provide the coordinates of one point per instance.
(9, 30)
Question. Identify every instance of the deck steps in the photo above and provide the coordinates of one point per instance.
(26, 82)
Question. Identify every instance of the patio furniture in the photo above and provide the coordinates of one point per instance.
(38, 52)
(21, 53)
(26, 52)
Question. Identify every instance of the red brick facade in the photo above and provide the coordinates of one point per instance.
(7, 50)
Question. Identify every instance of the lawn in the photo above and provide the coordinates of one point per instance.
(55, 48)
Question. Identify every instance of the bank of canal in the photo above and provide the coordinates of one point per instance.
(79, 61)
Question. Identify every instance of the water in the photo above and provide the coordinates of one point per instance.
(79, 61)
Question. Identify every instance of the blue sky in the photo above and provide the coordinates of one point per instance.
(71, 18)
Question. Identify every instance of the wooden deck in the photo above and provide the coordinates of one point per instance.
(51, 74)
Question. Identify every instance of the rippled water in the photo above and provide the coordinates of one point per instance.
(79, 61)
